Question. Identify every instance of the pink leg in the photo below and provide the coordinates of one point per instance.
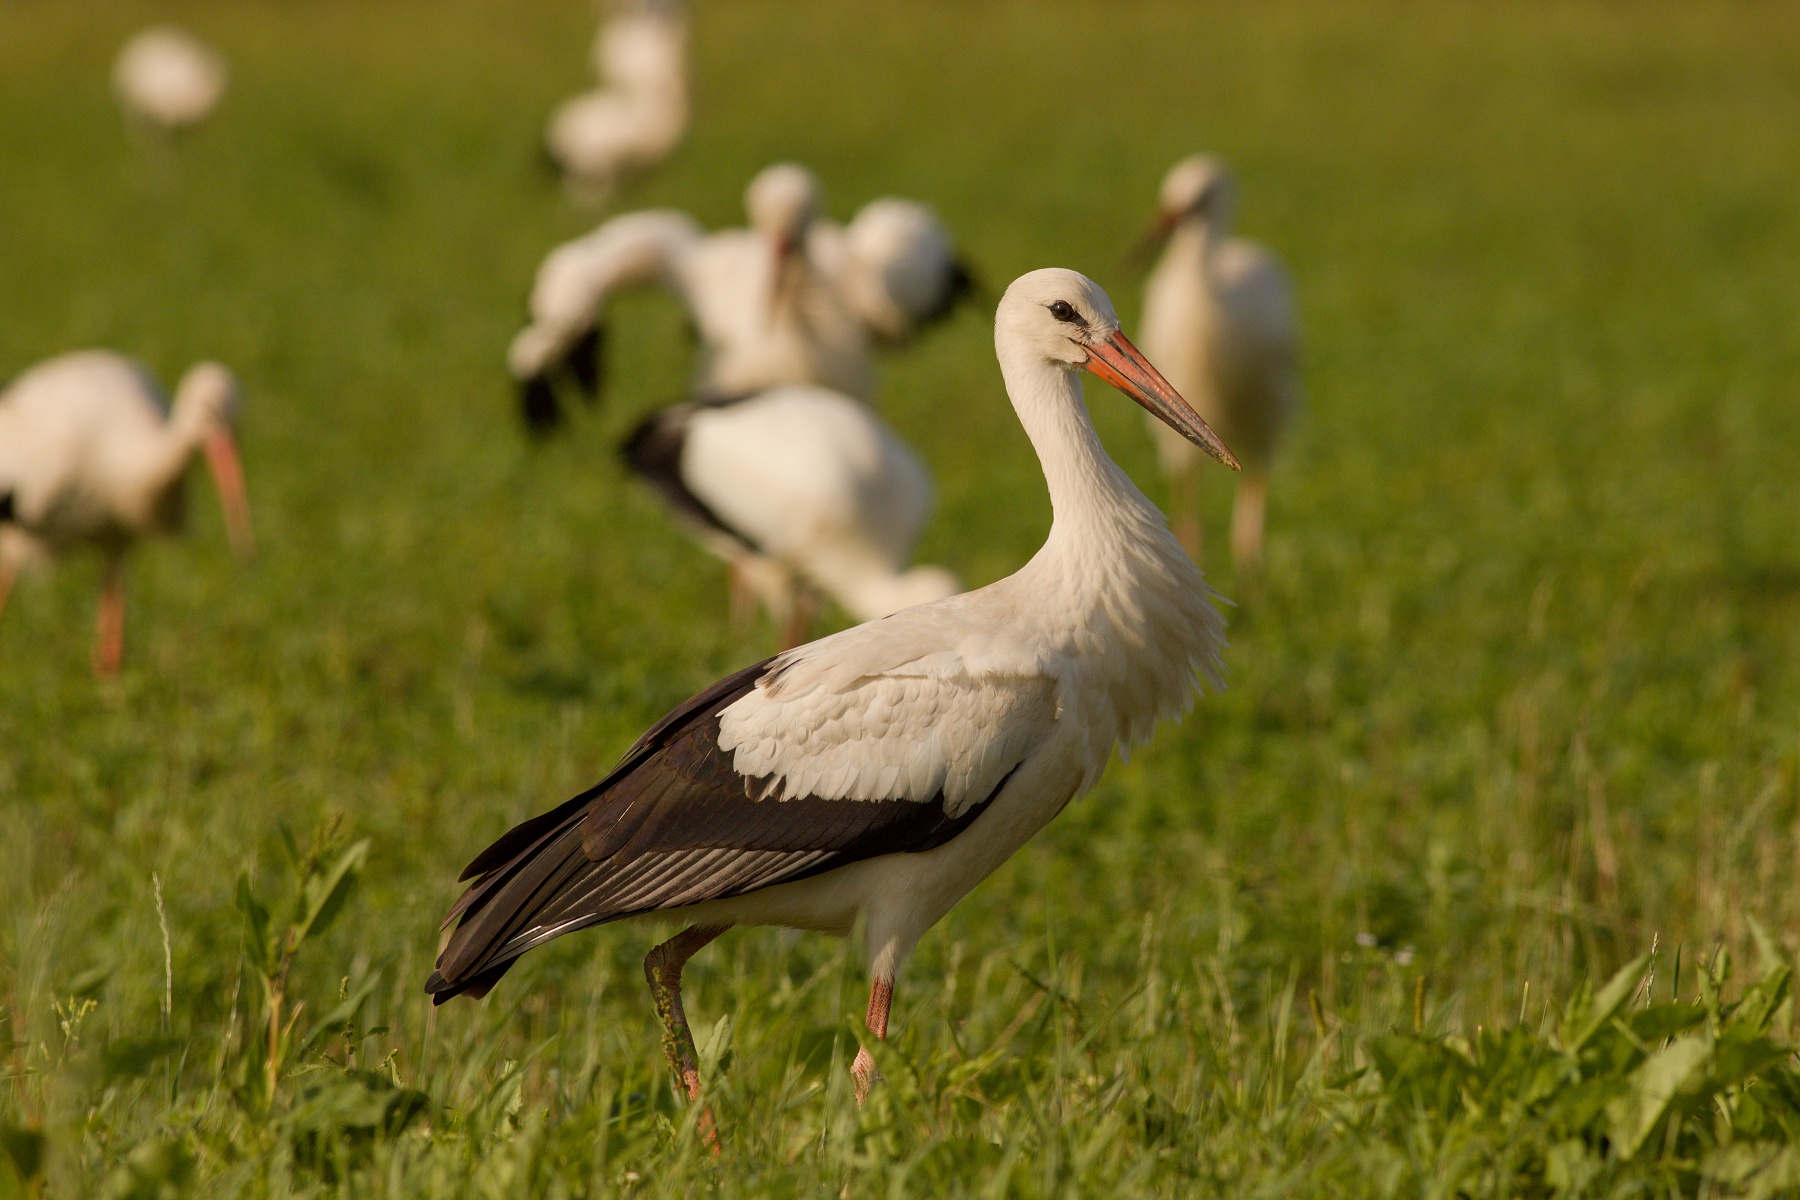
(741, 608)
(1247, 519)
(662, 967)
(109, 633)
(1184, 498)
(800, 620)
(864, 1070)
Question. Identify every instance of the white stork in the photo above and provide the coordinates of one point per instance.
(793, 299)
(638, 114)
(1219, 318)
(167, 79)
(878, 775)
(91, 452)
(796, 481)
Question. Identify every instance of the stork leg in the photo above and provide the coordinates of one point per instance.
(864, 1070)
(1185, 500)
(9, 573)
(1247, 519)
(662, 967)
(109, 632)
(741, 605)
(801, 614)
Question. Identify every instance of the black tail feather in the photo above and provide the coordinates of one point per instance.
(8, 507)
(474, 987)
(585, 362)
(538, 403)
(959, 286)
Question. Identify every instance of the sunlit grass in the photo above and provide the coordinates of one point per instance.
(1517, 699)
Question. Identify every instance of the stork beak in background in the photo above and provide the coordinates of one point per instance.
(228, 476)
(1120, 363)
(787, 255)
(1149, 242)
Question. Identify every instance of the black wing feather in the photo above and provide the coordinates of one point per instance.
(674, 824)
(653, 450)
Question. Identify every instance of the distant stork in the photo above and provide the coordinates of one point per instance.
(1219, 318)
(92, 453)
(167, 79)
(793, 299)
(796, 481)
(877, 775)
(638, 114)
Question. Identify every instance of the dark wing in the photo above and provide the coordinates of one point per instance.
(8, 508)
(673, 825)
(585, 361)
(653, 450)
(958, 283)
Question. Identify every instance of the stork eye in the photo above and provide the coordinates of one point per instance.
(1062, 310)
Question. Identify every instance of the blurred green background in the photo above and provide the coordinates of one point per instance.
(1518, 695)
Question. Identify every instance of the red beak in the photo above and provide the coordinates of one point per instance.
(228, 476)
(1150, 241)
(1120, 363)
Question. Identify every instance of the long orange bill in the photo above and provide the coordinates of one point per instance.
(228, 476)
(1149, 242)
(787, 254)
(1120, 363)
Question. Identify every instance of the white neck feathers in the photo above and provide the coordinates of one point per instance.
(1111, 588)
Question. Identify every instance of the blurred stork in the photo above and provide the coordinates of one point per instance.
(167, 79)
(793, 299)
(638, 114)
(799, 482)
(1219, 318)
(874, 777)
(92, 453)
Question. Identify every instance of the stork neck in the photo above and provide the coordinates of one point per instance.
(1193, 242)
(1091, 499)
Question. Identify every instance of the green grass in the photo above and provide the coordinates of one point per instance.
(1518, 699)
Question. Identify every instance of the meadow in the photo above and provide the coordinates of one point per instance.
(1513, 710)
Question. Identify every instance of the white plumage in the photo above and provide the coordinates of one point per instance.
(1219, 320)
(793, 299)
(639, 113)
(92, 453)
(798, 481)
(879, 774)
(167, 78)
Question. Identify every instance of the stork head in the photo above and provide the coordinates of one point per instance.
(206, 407)
(1198, 188)
(1064, 320)
(781, 202)
(1199, 185)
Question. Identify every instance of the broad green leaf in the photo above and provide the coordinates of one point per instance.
(128, 1058)
(1740, 1053)
(1610, 999)
(152, 1171)
(1760, 1000)
(334, 1021)
(322, 896)
(23, 1150)
(1679, 1067)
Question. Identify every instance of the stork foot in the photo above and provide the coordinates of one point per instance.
(866, 1074)
(662, 967)
(863, 1070)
